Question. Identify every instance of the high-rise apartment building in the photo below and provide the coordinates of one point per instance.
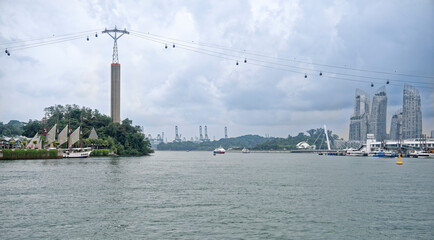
(377, 119)
(411, 113)
(395, 126)
(359, 121)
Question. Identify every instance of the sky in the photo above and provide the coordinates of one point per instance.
(198, 83)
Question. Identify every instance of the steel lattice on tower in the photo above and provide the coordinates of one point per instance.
(115, 37)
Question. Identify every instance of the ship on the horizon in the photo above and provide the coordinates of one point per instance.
(245, 150)
(219, 150)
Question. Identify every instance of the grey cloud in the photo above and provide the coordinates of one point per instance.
(162, 88)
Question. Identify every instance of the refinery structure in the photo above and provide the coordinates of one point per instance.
(203, 136)
(370, 119)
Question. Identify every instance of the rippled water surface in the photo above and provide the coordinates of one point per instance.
(195, 195)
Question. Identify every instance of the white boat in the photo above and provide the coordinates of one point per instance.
(245, 150)
(77, 153)
(356, 153)
(422, 154)
(382, 153)
(219, 150)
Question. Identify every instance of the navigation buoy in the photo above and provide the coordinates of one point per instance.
(399, 160)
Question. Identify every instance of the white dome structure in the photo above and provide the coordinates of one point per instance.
(303, 145)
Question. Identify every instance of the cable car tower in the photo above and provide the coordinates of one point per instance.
(115, 75)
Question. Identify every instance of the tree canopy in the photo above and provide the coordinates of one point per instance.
(12, 128)
(122, 138)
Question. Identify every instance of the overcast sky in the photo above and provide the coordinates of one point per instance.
(161, 88)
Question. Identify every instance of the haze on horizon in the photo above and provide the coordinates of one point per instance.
(161, 88)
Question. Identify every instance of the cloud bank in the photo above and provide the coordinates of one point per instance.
(161, 88)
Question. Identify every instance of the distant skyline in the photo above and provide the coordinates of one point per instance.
(188, 87)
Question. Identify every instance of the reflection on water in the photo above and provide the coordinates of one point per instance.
(114, 161)
(195, 195)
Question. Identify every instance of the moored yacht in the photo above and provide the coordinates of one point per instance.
(422, 154)
(77, 153)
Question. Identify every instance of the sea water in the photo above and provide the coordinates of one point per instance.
(195, 195)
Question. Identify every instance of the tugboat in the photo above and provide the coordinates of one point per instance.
(219, 150)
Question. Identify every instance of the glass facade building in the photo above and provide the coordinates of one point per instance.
(377, 119)
(359, 124)
(395, 126)
(411, 113)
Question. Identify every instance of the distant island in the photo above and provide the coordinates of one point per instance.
(235, 143)
(314, 137)
(122, 139)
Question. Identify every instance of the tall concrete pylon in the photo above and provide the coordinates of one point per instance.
(115, 103)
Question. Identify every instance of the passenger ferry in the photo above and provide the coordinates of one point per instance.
(219, 150)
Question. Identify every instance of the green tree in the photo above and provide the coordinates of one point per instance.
(113, 136)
